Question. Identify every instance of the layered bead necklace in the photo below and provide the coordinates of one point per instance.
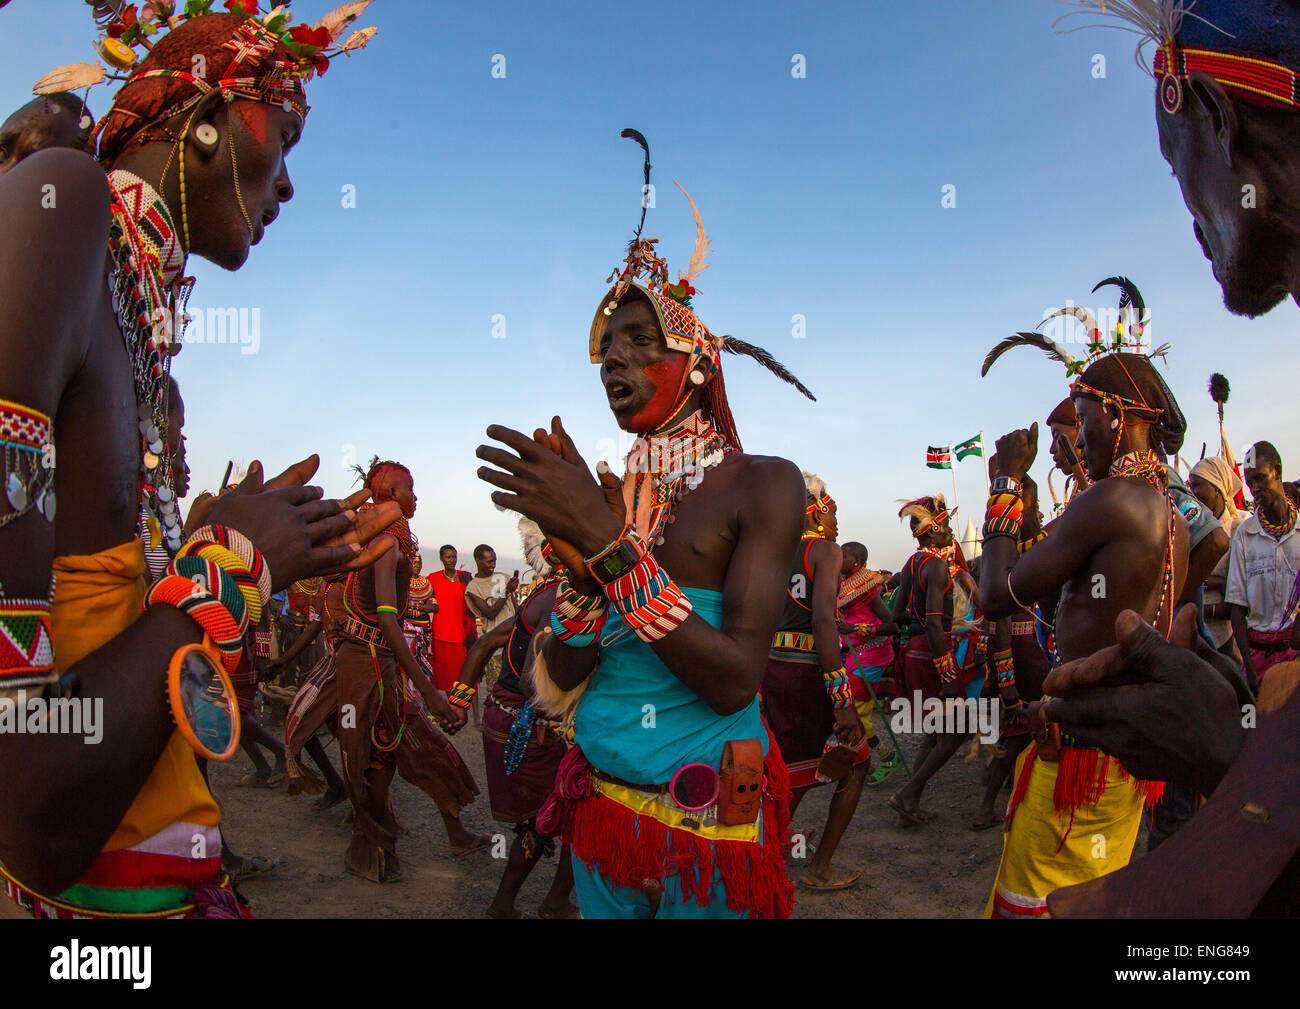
(148, 296)
(1146, 465)
(663, 467)
(1277, 531)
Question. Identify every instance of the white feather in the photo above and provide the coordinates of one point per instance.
(700, 254)
(342, 16)
(69, 77)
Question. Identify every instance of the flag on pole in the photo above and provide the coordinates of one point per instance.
(939, 458)
(972, 446)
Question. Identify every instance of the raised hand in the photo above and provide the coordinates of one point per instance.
(1016, 451)
(299, 534)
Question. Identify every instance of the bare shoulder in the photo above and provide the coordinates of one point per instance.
(775, 476)
(63, 191)
(55, 209)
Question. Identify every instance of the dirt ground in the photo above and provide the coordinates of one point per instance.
(939, 870)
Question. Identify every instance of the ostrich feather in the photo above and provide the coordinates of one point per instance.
(700, 254)
(1129, 295)
(1083, 315)
(69, 77)
(636, 135)
(815, 484)
(1044, 343)
(1219, 389)
(341, 17)
(733, 346)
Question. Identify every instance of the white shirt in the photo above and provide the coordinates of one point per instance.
(1261, 574)
(489, 590)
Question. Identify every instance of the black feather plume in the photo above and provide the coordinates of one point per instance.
(1047, 345)
(1219, 388)
(733, 346)
(632, 134)
(1129, 295)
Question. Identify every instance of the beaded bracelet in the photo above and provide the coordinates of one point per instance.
(242, 547)
(461, 696)
(386, 609)
(1002, 660)
(837, 688)
(577, 619)
(649, 602)
(1003, 515)
(946, 667)
(203, 608)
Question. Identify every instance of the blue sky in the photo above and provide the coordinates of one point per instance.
(478, 197)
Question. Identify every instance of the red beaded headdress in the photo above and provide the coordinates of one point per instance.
(671, 301)
(258, 57)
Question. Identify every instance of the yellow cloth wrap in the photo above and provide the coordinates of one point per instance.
(864, 709)
(1100, 840)
(96, 597)
(647, 804)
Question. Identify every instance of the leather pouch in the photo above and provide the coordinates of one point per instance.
(741, 774)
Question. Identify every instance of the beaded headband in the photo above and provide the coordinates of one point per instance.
(1255, 78)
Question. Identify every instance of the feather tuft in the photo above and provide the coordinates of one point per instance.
(700, 254)
(1129, 296)
(733, 346)
(636, 135)
(69, 77)
(1044, 343)
(1155, 21)
(340, 17)
(816, 485)
(1219, 388)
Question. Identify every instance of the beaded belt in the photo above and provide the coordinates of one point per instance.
(794, 641)
(1023, 627)
(363, 632)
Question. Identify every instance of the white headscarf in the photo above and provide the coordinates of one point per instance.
(1217, 471)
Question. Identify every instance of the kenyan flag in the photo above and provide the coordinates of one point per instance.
(939, 458)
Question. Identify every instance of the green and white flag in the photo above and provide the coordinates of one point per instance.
(972, 446)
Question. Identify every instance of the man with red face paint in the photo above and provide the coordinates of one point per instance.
(92, 281)
(674, 585)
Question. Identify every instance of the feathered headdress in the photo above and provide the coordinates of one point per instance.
(533, 541)
(925, 513)
(818, 499)
(1251, 48)
(263, 59)
(644, 273)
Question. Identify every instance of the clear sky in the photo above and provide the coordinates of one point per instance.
(478, 197)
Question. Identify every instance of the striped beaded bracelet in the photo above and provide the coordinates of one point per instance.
(461, 695)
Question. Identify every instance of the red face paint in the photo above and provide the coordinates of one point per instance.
(255, 116)
(666, 377)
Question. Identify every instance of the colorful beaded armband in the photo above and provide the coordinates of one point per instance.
(837, 688)
(577, 619)
(209, 597)
(27, 448)
(246, 562)
(649, 602)
(946, 667)
(26, 644)
(1004, 515)
(1002, 661)
(461, 696)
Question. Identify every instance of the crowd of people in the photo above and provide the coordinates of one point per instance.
(695, 650)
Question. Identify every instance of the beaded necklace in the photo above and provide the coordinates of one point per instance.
(1280, 530)
(665, 467)
(148, 295)
(1146, 465)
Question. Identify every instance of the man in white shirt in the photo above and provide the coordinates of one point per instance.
(1262, 566)
(491, 597)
